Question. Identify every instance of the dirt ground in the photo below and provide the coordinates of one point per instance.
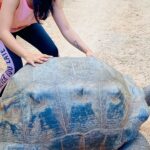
(117, 31)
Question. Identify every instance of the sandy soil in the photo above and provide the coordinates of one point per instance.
(117, 31)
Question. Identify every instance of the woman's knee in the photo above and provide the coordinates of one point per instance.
(54, 51)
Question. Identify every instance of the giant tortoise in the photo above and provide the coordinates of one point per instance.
(71, 103)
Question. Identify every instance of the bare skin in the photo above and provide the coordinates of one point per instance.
(6, 16)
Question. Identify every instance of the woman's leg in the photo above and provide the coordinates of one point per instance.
(13, 62)
(38, 37)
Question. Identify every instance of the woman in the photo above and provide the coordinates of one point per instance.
(22, 18)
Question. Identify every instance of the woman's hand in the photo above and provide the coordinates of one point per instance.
(90, 53)
(32, 58)
(67, 31)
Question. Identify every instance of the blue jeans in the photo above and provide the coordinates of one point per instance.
(35, 35)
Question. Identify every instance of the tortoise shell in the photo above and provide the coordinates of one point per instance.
(70, 104)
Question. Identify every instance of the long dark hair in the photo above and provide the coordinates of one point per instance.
(42, 8)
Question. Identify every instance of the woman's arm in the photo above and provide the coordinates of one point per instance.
(7, 12)
(67, 31)
(6, 16)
